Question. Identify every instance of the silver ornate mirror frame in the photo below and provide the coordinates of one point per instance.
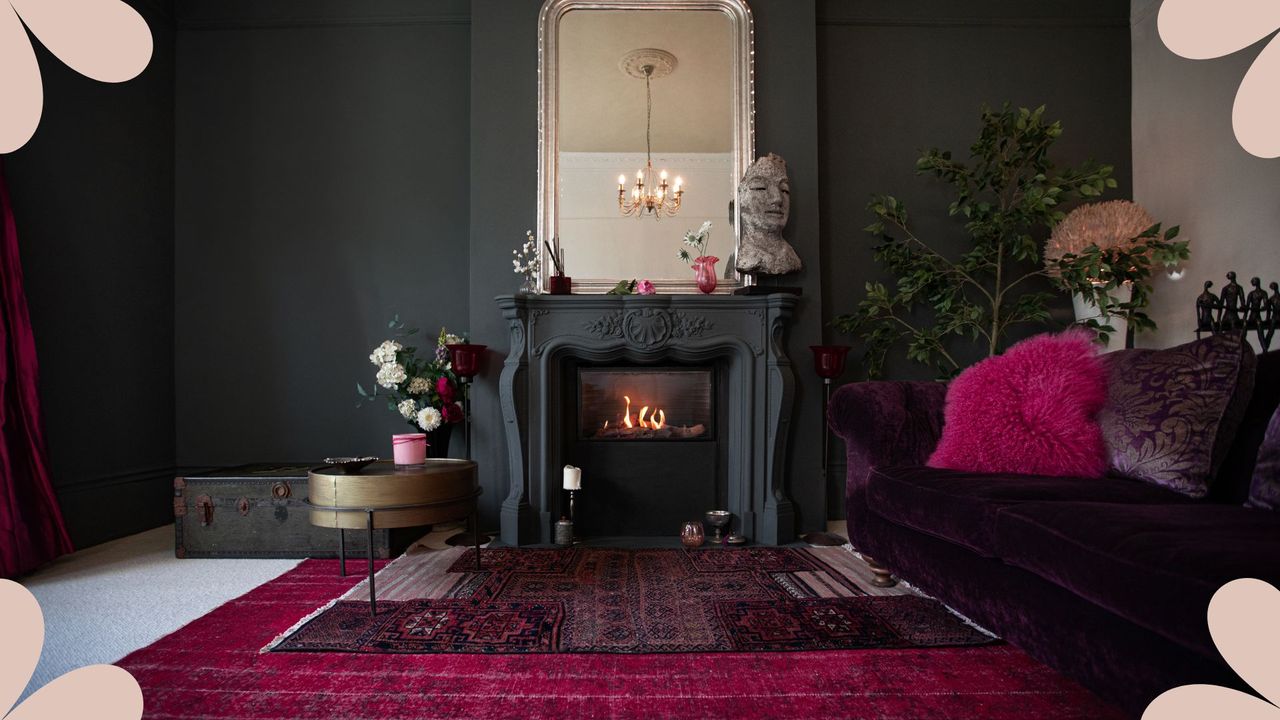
(744, 122)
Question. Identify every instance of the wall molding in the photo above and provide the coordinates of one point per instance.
(315, 22)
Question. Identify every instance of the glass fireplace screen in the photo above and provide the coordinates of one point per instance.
(645, 403)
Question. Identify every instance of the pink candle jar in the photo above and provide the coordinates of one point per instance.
(409, 448)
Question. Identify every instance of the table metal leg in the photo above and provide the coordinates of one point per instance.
(475, 529)
(373, 598)
(342, 552)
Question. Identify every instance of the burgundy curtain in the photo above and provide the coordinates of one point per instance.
(31, 528)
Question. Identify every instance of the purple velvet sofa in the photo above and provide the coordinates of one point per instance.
(1105, 580)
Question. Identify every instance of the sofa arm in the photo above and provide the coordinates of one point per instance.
(888, 423)
(883, 423)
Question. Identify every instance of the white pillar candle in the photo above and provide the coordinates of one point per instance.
(572, 478)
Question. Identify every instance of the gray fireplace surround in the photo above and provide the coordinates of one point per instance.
(746, 333)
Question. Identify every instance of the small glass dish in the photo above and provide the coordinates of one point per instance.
(350, 465)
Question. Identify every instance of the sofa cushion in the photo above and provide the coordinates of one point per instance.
(1264, 492)
(1154, 565)
(1232, 482)
(961, 507)
(1031, 410)
(1171, 414)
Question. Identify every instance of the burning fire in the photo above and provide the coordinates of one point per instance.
(656, 421)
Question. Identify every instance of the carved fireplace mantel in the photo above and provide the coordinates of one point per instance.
(745, 333)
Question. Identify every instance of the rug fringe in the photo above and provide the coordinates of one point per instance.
(959, 615)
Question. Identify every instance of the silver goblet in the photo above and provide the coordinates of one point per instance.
(718, 520)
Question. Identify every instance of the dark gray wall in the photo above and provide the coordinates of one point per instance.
(93, 199)
(322, 186)
(504, 54)
(896, 77)
(1189, 170)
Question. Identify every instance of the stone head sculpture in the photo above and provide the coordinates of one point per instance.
(764, 201)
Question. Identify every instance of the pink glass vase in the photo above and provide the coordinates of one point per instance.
(704, 272)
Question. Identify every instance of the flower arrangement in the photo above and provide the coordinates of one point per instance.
(528, 262)
(423, 391)
(1111, 224)
(698, 241)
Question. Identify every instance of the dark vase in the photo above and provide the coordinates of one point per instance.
(438, 441)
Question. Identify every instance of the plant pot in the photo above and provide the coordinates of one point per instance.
(1085, 309)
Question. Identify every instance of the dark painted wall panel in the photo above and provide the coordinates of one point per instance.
(322, 165)
(896, 77)
(93, 199)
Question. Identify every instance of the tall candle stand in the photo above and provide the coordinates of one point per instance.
(465, 358)
(828, 363)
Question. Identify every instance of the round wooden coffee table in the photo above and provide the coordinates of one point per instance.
(385, 496)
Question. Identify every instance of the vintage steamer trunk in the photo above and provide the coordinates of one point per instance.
(257, 511)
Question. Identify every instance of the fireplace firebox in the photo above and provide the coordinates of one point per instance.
(645, 436)
(630, 403)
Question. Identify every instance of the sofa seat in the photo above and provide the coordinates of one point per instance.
(1154, 565)
(961, 507)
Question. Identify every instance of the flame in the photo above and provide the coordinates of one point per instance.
(645, 420)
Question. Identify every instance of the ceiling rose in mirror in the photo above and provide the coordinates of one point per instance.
(652, 194)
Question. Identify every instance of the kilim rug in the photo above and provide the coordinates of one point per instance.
(602, 600)
(213, 668)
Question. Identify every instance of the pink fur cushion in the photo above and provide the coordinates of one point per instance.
(1032, 410)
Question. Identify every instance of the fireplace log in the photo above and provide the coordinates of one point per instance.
(670, 432)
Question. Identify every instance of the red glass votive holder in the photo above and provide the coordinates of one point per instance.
(466, 359)
(828, 360)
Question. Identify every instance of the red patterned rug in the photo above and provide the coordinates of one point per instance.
(593, 600)
(212, 668)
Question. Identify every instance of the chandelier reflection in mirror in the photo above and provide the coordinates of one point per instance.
(652, 194)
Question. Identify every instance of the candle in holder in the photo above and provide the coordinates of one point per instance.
(409, 449)
(572, 478)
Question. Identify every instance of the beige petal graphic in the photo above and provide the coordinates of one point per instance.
(23, 96)
(1256, 113)
(22, 627)
(1242, 621)
(1206, 702)
(102, 692)
(1202, 29)
(103, 39)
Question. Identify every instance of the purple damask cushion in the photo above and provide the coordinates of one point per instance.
(1264, 491)
(1170, 414)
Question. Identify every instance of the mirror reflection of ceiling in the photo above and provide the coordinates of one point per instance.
(601, 109)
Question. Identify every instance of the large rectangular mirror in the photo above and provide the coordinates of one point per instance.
(646, 122)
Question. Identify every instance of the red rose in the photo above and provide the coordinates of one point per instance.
(444, 389)
(452, 412)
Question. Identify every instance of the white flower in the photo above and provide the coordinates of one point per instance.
(385, 353)
(408, 408)
(417, 386)
(451, 339)
(391, 374)
(429, 418)
(706, 228)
